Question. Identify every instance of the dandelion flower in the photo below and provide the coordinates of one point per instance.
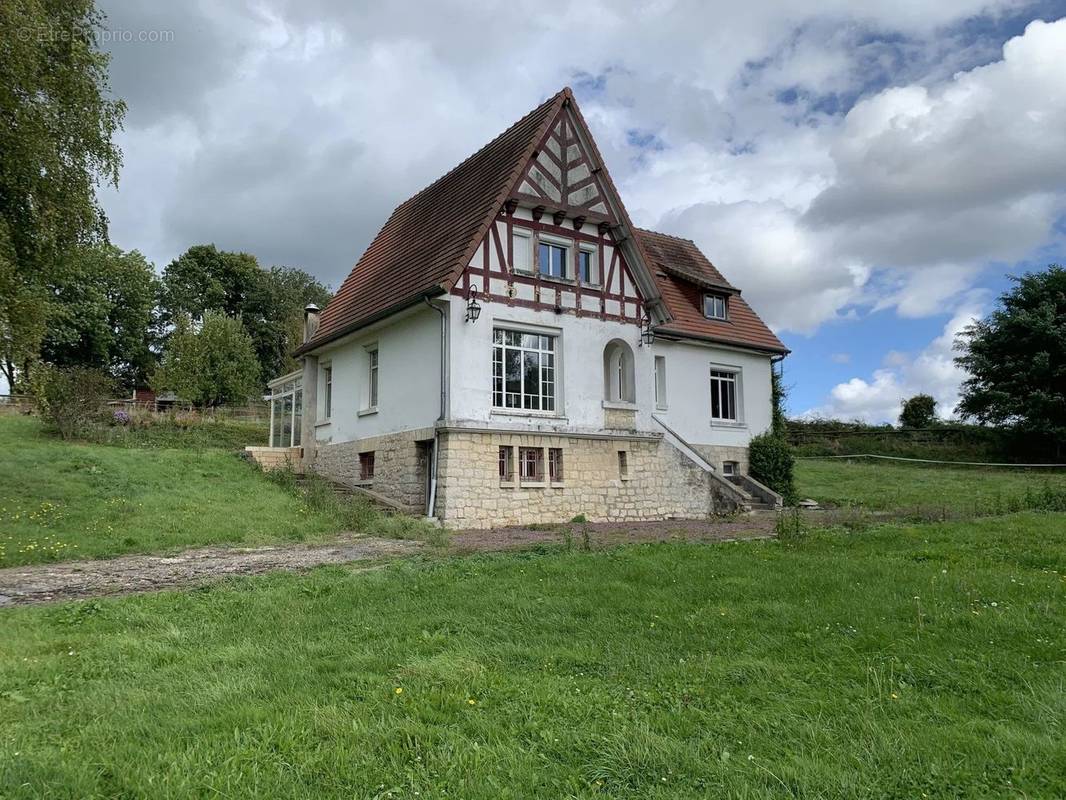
(399, 690)
(895, 696)
(471, 702)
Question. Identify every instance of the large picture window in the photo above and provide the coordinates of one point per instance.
(723, 395)
(523, 370)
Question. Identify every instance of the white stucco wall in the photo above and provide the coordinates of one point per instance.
(581, 377)
(408, 380)
(688, 392)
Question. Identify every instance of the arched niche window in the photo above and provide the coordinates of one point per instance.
(618, 381)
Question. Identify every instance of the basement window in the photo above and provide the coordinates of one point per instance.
(531, 464)
(555, 464)
(623, 465)
(366, 466)
(506, 465)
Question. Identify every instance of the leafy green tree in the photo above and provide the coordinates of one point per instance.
(103, 313)
(269, 303)
(56, 146)
(778, 395)
(918, 411)
(212, 366)
(274, 316)
(204, 279)
(1016, 358)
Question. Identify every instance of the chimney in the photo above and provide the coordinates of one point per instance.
(311, 314)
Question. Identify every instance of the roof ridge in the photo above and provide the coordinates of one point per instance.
(565, 90)
(667, 235)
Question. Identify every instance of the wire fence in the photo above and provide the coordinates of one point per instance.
(936, 461)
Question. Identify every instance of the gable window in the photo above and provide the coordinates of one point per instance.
(714, 306)
(372, 377)
(522, 249)
(327, 392)
(523, 370)
(586, 266)
(553, 258)
(723, 395)
(366, 466)
(660, 382)
(531, 464)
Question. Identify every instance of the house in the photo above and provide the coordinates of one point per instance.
(511, 349)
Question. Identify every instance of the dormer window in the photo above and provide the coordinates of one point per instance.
(714, 306)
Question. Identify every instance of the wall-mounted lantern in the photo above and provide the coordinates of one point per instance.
(473, 307)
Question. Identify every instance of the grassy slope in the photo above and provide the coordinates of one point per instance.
(890, 664)
(883, 486)
(63, 500)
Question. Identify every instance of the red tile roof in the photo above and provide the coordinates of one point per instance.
(683, 274)
(427, 241)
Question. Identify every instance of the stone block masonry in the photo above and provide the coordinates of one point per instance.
(400, 465)
(653, 480)
(270, 458)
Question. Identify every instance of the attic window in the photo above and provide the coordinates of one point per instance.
(714, 306)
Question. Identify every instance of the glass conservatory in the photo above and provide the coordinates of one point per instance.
(286, 409)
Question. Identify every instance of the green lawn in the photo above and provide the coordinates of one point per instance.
(60, 500)
(882, 486)
(905, 662)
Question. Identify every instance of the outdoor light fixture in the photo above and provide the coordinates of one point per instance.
(473, 307)
(647, 335)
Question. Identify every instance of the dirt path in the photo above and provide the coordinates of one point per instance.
(71, 580)
(40, 583)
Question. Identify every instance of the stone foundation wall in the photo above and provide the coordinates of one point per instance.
(716, 454)
(660, 482)
(269, 458)
(400, 466)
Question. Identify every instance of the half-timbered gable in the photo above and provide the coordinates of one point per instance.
(521, 257)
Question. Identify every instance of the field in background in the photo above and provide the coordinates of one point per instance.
(903, 662)
(886, 486)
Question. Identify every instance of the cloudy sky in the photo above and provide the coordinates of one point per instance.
(868, 173)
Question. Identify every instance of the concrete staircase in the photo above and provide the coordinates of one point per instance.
(343, 489)
(743, 491)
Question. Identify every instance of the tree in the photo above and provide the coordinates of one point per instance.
(1016, 359)
(274, 315)
(209, 367)
(55, 148)
(103, 313)
(778, 395)
(918, 412)
(269, 303)
(204, 279)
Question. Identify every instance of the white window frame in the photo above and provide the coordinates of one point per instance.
(525, 236)
(555, 351)
(327, 391)
(716, 296)
(290, 386)
(373, 377)
(561, 242)
(594, 277)
(722, 375)
(660, 383)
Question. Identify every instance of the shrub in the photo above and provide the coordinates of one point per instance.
(918, 412)
(771, 464)
(72, 400)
